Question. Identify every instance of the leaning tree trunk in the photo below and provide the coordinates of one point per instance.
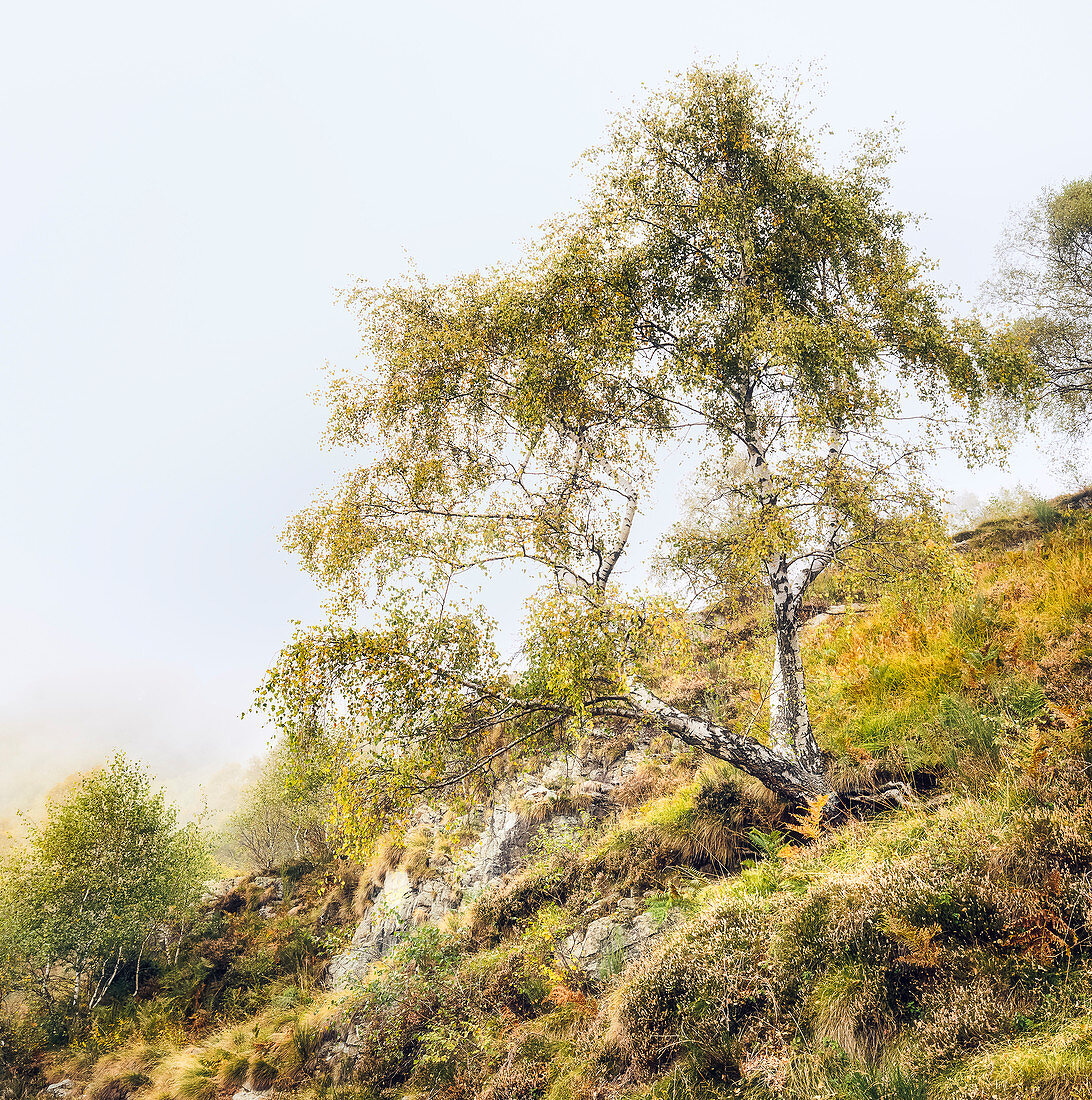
(777, 768)
(791, 764)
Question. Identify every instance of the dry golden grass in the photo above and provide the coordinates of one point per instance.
(416, 860)
(652, 780)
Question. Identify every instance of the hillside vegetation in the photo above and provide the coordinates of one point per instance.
(941, 949)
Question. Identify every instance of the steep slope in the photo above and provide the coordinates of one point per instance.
(635, 922)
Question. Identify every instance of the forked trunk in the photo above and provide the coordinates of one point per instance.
(792, 764)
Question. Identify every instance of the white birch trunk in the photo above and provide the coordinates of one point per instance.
(790, 723)
(140, 956)
(104, 983)
(780, 770)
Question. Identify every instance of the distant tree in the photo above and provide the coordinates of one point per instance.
(94, 884)
(1044, 276)
(283, 812)
(722, 293)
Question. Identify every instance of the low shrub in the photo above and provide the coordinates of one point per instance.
(503, 908)
(23, 1037)
(521, 1081)
(692, 994)
(507, 981)
(1053, 1065)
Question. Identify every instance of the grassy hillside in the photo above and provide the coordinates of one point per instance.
(938, 950)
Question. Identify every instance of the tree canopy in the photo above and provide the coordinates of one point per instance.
(1044, 276)
(282, 813)
(722, 292)
(93, 883)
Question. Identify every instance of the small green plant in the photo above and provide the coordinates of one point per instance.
(769, 845)
(975, 625)
(661, 907)
(968, 729)
(613, 957)
(428, 950)
(1022, 700)
(1044, 514)
(895, 1084)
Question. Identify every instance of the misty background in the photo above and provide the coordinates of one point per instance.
(185, 188)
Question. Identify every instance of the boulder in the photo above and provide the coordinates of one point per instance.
(612, 941)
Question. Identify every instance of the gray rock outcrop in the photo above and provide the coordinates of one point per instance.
(612, 941)
(530, 804)
(400, 905)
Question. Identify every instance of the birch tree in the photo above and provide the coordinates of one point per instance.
(282, 812)
(723, 293)
(93, 884)
(1044, 277)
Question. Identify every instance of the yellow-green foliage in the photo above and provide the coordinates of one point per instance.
(919, 687)
(944, 949)
(1052, 1066)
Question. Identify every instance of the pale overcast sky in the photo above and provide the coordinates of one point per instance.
(183, 190)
